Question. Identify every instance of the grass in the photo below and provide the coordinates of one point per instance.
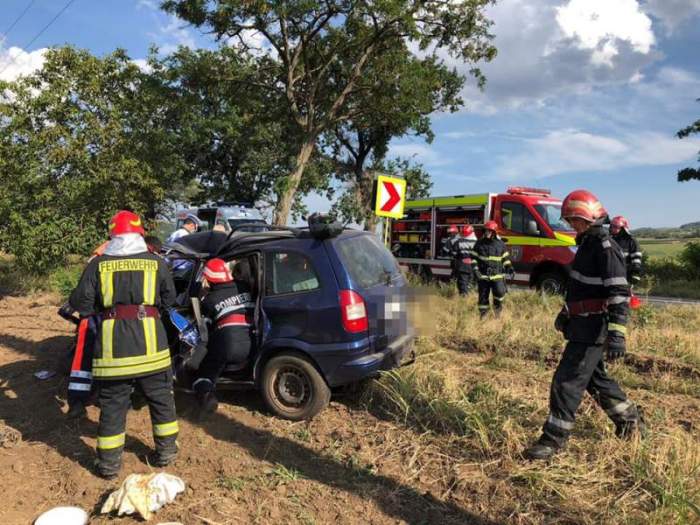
(478, 394)
(663, 247)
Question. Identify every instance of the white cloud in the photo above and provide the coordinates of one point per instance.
(143, 65)
(673, 13)
(539, 59)
(421, 153)
(600, 25)
(15, 62)
(148, 4)
(173, 34)
(573, 151)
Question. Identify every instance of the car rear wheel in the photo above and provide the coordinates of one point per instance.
(292, 388)
(552, 283)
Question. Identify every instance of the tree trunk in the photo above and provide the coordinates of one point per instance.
(286, 199)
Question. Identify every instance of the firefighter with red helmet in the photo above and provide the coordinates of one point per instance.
(490, 263)
(593, 322)
(229, 309)
(127, 287)
(620, 229)
(458, 247)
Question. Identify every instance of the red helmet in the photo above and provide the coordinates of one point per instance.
(620, 223)
(217, 271)
(453, 229)
(491, 225)
(467, 230)
(125, 222)
(584, 205)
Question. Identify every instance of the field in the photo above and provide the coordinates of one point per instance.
(437, 442)
(663, 247)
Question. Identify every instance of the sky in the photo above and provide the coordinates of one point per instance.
(582, 94)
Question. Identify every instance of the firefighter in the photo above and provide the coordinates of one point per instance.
(491, 263)
(461, 247)
(447, 245)
(127, 287)
(620, 229)
(228, 308)
(593, 322)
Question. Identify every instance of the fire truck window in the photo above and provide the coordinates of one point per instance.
(516, 217)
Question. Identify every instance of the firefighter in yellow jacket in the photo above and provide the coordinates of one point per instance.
(127, 287)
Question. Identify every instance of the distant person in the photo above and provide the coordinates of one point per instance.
(620, 229)
(491, 262)
(192, 224)
(462, 248)
(128, 287)
(593, 322)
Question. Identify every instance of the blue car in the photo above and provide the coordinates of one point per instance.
(330, 310)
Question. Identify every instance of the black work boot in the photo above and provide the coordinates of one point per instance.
(628, 429)
(76, 410)
(108, 469)
(543, 448)
(162, 458)
(206, 396)
(208, 402)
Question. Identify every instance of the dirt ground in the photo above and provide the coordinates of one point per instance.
(240, 465)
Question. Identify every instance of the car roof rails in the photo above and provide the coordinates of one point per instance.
(235, 203)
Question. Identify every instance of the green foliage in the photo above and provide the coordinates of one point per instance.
(690, 256)
(323, 57)
(687, 174)
(64, 280)
(79, 139)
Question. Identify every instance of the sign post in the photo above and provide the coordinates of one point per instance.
(390, 197)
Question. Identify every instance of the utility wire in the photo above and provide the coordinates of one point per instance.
(39, 34)
(13, 24)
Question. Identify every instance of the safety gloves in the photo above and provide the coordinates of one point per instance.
(615, 346)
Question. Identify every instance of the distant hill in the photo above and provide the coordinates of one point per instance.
(686, 231)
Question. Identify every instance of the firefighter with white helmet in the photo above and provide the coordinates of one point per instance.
(593, 322)
(620, 229)
(127, 287)
(192, 224)
(490, 263)
(229, 309)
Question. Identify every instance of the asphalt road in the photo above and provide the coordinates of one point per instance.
(661, 301)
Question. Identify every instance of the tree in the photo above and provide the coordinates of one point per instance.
(80, 139)
(320, 51)
(404, 92)
(687, 174)
(230, 133)
(355, 204)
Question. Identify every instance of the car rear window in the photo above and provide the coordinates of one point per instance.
(367, 261)
(289, 272)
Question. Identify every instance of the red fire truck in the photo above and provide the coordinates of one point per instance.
(540, 243)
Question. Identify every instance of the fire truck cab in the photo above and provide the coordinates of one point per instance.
(540, 243)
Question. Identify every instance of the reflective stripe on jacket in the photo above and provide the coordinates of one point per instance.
(126, 348)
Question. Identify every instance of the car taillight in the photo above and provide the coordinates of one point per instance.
(353, 311)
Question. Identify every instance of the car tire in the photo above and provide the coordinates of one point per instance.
(292, 388)
(553, 283)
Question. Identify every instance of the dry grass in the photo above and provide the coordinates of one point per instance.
(478, 395)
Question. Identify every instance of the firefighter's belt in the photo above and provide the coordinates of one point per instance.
(130, 312)
(587, 306)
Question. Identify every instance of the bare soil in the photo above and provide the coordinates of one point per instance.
(240, 465)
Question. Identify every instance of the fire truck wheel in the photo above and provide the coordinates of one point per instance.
(552, 283)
